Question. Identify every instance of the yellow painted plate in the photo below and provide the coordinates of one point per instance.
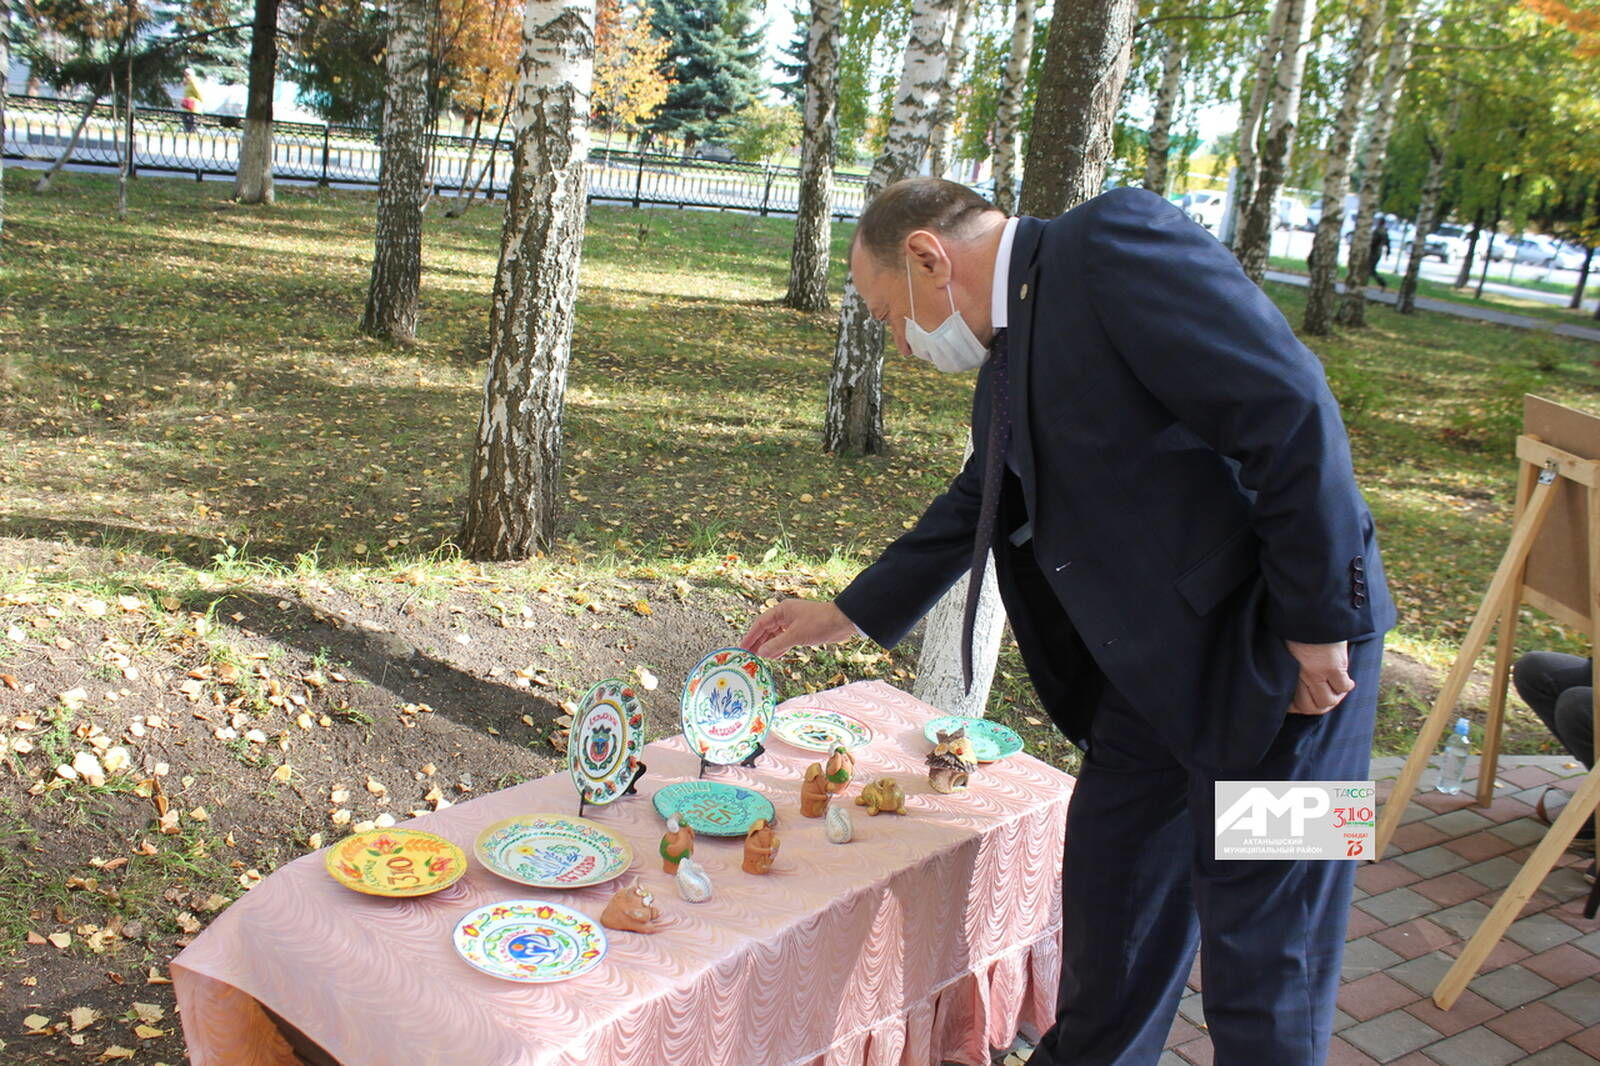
(396, 862)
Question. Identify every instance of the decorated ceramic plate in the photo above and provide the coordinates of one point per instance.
(727, 705)
(990, 740)
(713, 808)
(530, 940)
(396, 862)
(606, 739)
(553, 851)
(817, 729)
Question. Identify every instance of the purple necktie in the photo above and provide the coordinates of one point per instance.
(994, 458)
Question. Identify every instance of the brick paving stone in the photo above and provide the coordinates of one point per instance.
(1566, 883)
(1589, 942)
(1376, 877)
(1560, 1055)
(1527, 776)
(1520, 832)
(1531, 796)
(1497, 872)
(1416, 1058)
(1587, 1041)
(1563, 964)
(1580, 1002)
(1440, 803)
(1506, 809)
(1359, 923)
(1182, 1032)
(1458, 824)
(1194, 973)
(1537, 902)
(1397, 905)
(1475, 1047)
(1432, 861)
(1463, 919)
(1475, 847)
(1198, 1052)
(1343, 1054)
(1512, 986)
(1534, 1026)
(1450, 889)
(1539, 932)
(1418, 937)
(1504, 953)
(1470, 1009)
(1422, 973)
(1363, 956)
(1391, 1035)
(1415, 812)
(1171, 1058)
(1416, 836)
(1341, 1020)
(1375, 994)
(1191, 1008)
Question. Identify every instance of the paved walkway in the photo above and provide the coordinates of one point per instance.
(1483, 314)
(1537, 998)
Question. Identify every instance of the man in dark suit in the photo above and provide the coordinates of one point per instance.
(1190, 574)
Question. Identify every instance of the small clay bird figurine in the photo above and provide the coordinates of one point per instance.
(841, 764)
(814, 794)
(676, 845)
(694, 884)
(760, 847)
(883, 796)
(632, 910)
(838, 825)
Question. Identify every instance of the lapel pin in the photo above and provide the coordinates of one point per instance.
(1024, 294)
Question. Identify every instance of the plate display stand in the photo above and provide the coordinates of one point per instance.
(748, 760)
(631, 790)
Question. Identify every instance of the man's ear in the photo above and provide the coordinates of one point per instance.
(927, 255)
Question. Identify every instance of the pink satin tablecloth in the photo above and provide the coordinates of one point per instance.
(928, 938)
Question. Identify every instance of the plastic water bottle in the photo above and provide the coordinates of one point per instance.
(1453, 759)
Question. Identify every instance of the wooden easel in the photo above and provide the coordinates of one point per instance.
(1554, 550)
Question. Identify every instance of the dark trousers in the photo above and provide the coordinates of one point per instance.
(1142, 890)
(1560, 689)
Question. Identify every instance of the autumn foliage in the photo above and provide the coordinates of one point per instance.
(630, 76)
(1584, 24)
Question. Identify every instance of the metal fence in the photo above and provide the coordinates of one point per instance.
(40, 130)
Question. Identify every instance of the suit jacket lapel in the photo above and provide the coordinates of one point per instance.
(1021, 299)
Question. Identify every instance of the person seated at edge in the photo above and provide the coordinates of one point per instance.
(1560, 689)
(1190, 573)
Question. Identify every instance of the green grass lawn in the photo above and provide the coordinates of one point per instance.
(1493, 301)
(191, 378)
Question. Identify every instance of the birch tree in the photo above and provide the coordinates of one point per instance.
(941, 137)
(1336, 177)
(1155, 160)
(813, 241)
(1256, 223)
(854, 419)
(5, 75)
(1247, 137)
(1352, 309)
(1008, 113)
(252, 182)
(1080, 85)
(512, 502)
(392, 295)
(1428, 209)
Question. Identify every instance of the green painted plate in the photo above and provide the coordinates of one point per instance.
(713, 808)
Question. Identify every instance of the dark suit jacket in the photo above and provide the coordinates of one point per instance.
(1187, 476)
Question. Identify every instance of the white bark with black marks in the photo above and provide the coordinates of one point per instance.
(392, 295)
(5, 74)
(813, 225)
(252, 183)
(1324, 263)
(1352, 309)
(942, 137)
(1080, 85)
(1255, 237)
(1160, 142)
(1427, 209)
(1008, 110)
(1247, 138)
(513, 500)
(854, 420)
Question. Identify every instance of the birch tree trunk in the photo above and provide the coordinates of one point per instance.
(854, 420)
(512, 503)
(1008, 110)
(1255, 238)
(1353, 306)
(391, 312)
(939, 681)
(252, 184)
(942, 137)
(459, 208)
(1464, 275)
(43, 184)
(1336, 179)
(1247, 137)
(1155, 157)
(5, 75)
(1086, 62)
(1428, 209)
(813, 223)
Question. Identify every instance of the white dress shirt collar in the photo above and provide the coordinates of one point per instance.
(1002, 276)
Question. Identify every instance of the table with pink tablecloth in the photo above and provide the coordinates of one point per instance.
(928, 938)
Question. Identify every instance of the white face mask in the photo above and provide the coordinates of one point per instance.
(951, 347)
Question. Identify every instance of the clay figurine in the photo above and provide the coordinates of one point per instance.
(883, 796)
(841, 764)
(814, 792)
(838, 825)
(676, 845)
(760, 847)
(951, 763)
(694, 884)
(632, 910)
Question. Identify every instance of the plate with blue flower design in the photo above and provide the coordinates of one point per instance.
(530, 940)
(727, 705)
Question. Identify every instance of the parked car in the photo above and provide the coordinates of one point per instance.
(1292, 214)
(1205, 207)
(1534, 250)
(1569, 257)
(716, 153)
(1447, 244)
